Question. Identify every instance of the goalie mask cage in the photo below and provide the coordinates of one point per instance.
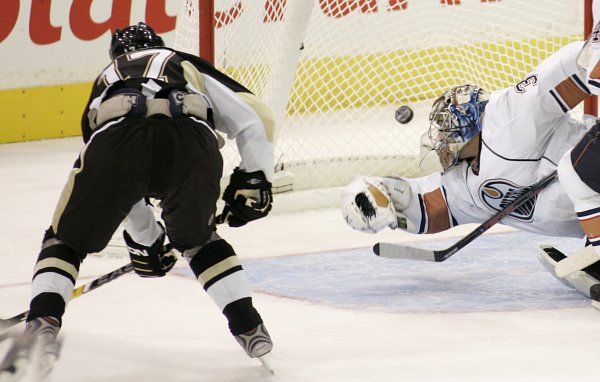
(335, 71)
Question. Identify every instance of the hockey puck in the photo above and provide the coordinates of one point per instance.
(404, 114)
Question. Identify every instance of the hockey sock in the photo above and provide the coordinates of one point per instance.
(219, 271)
(54, 277)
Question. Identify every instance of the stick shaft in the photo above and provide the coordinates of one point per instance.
(402, 251)
(510, 208)
(83, 289)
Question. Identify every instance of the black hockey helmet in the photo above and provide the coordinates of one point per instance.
(132, 38)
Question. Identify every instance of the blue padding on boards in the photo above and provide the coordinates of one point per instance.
(498, 272)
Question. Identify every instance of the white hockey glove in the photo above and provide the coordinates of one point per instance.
(368, 205)
(153, 261)
(247, 197)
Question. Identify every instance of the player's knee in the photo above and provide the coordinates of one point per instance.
(59, 255)
(212, 261)
(367, 205)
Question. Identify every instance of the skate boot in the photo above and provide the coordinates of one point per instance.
(257, 343)
(36, 350)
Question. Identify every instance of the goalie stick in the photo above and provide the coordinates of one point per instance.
(399, 251)
(83, 289)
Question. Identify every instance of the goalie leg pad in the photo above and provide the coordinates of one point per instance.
(549, 256)
(585, 281)
(595, 294)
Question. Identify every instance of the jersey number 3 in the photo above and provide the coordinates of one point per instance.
(530, 80)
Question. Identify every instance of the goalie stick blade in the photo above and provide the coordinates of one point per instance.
(577, 261)
(398, 251)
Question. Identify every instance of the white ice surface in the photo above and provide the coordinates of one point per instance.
(168, 329)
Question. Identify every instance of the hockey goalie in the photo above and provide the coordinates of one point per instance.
(491, 148)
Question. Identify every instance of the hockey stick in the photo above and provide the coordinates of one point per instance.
(7, 323)
(399, 251)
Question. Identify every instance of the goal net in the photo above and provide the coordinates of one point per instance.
(335, 71)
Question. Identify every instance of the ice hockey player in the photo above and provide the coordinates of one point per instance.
(149, 129)
(490, 149)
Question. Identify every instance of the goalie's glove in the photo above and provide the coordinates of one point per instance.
(153, 261)
(247, 197)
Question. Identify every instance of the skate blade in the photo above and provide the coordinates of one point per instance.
(596, 304)
(265, 360)
(43, 363)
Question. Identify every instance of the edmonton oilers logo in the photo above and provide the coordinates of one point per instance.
(497, 194)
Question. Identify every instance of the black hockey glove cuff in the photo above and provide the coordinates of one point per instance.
(247, 197)
(153, 261)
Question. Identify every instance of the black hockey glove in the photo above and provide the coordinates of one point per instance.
(154, 261)
(247, 197)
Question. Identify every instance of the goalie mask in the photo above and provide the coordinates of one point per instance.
(132, 38)
(454, 120)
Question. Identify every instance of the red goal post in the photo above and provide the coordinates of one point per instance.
(591, 105)
(334, 71)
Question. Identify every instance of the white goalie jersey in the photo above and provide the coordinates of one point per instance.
(526, 129)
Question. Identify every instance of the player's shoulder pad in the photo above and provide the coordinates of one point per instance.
(208, 69)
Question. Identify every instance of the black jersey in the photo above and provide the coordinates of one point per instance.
(236, 111)
(163, 69)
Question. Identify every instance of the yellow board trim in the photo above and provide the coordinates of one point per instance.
(335, 83)
(355, 81)
(43, 112)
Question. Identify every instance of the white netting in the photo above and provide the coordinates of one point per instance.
(188, 27)
(361, 59)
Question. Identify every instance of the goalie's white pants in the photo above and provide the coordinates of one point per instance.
(585, 200)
